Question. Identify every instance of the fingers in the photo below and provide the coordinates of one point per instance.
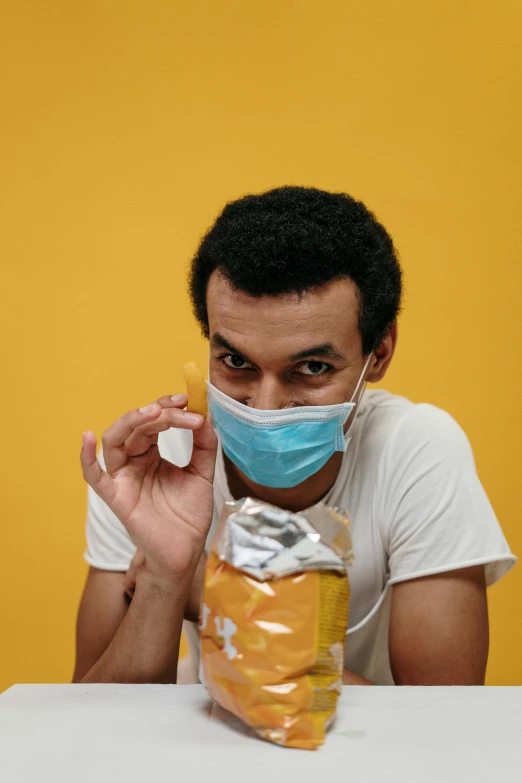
(93, 474)
(146, 435)
(143, 438)
(113, 439)
(203, 459)
(134, 433)
(149, 421)
(174, 401)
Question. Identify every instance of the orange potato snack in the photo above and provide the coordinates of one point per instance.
(196, 388)
(274, 617)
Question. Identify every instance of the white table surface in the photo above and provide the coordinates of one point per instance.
(152, 733)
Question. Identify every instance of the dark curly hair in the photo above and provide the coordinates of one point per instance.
(294, 239)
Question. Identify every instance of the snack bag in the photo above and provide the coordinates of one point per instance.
(274, 616)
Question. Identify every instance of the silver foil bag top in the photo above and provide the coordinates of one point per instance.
(268, 542)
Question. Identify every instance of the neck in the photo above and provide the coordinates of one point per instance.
(304, 495)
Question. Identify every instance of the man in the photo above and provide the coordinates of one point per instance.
(298, 291)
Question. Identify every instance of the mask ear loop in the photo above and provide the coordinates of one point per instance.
(347, 436)
(361, 381)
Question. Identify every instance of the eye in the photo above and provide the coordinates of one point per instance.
(314, 368)
(235, 362)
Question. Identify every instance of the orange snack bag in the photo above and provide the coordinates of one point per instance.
(273, 620)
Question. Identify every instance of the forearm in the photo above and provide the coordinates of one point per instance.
(349, 678)
(146, 645)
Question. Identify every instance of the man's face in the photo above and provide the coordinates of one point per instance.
(282, 351)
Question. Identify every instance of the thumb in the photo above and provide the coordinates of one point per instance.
(203, 460)
(93, 473)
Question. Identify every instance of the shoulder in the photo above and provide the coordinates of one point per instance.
(408, 447)
(396, 424)
(429, 506)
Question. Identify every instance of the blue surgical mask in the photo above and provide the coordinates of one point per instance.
(280, 448)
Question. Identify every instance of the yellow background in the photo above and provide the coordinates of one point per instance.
(126, 126)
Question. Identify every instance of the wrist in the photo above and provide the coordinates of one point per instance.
(171, 585)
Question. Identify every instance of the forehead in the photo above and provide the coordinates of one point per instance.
(287, 321)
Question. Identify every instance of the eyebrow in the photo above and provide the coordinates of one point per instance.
(218, 341)
(323, 351)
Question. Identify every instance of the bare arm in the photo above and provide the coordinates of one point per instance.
(106, 598)
(102, 609)
(146, 644)
(349, 678)
(439, 631)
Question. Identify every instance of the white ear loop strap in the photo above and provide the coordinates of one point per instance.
(347, 436)
(361, 379)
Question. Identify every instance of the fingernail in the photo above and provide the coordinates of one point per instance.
(178, 397)
(148, 408)
(193, 418)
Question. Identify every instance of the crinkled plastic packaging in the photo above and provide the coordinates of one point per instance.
(274, 616)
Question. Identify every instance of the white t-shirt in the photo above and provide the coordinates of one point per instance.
(409, 483)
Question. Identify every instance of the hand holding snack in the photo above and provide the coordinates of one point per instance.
(166, 510)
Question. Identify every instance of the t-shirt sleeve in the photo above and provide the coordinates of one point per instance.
(438, 516)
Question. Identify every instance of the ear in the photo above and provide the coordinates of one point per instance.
(382, 356)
